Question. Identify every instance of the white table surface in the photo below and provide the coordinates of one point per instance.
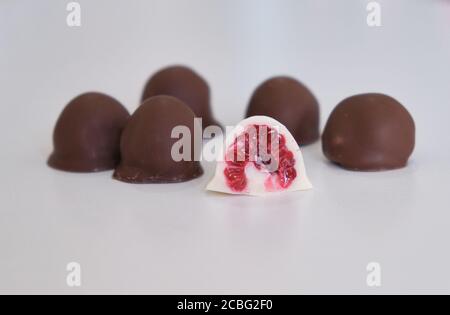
(179, 238)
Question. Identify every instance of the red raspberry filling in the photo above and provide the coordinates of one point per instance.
(243, 151)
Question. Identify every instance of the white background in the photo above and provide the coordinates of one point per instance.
(179, 238)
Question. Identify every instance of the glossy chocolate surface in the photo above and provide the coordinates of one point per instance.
(291, 103)
(369, 132)
(87, 134)
(186, 85)
(147, 143)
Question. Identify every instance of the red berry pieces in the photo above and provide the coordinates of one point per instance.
(248, 148)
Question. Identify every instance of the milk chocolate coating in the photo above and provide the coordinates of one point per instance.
(186, 85)
(292, 104)
(369, 132)
(147, 142)
(87, 134)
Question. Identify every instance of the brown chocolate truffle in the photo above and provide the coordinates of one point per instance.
(147, 143)
(369, 132)
(87, 134)
(292, 104)
(186, 85)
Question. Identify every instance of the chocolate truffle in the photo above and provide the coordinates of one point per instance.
(369, 132)
(291, 103)
(87, 134)
(147, 143)
(186, 85)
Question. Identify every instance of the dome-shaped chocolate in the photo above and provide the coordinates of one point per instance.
(186, 85)
(291, 103)
(147, 143)
(87, 134)
(369, 132)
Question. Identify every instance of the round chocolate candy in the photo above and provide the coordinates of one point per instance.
(292, 104)
(87, 134)
(186, 85)
(369, 132)
(147, 144)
